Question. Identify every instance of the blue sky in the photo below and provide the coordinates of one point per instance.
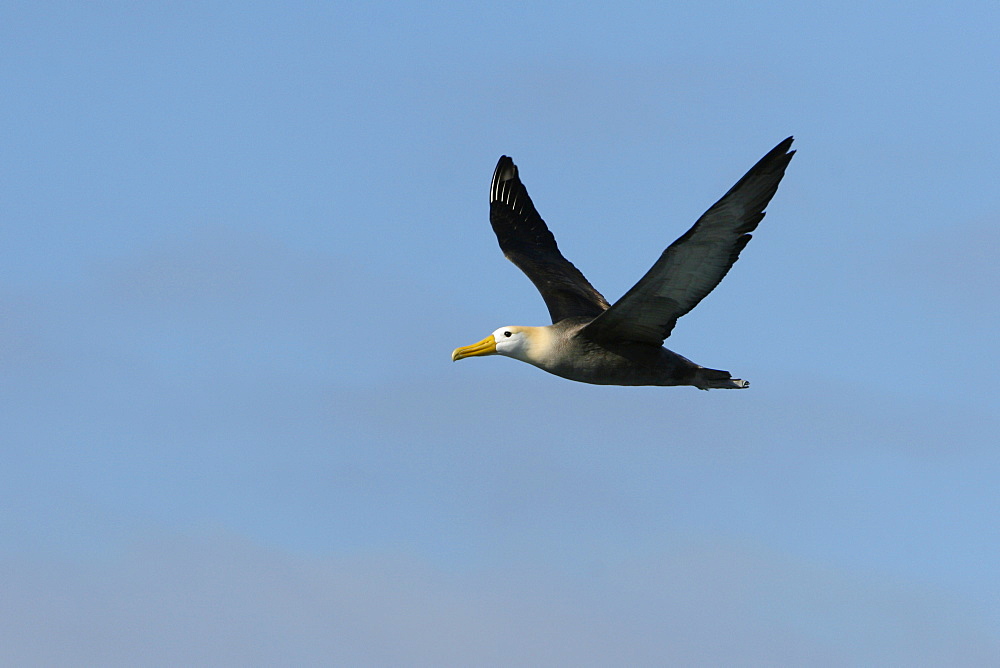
(240, 241)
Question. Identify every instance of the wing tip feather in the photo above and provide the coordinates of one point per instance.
(505, 172)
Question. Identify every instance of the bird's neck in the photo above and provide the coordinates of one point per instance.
(541, 348)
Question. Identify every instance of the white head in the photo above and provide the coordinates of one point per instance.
(512, 341)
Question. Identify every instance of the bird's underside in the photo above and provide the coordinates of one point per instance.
(621, 344)
(628, 363)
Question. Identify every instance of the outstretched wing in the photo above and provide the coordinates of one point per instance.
(526, 241)
(693, 265)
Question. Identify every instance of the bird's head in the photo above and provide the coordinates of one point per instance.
(513, 342)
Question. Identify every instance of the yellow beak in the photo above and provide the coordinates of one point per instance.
(487, 346)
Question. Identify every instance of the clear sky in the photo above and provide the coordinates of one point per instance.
(239, 242)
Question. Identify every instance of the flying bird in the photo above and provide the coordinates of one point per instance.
(622, 344)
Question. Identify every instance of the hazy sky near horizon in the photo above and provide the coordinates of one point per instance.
(240, 240)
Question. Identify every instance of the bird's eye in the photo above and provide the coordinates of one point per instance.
(506, 333)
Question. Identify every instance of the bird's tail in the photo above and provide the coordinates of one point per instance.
(716, 379)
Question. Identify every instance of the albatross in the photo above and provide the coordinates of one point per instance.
(592, 341)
